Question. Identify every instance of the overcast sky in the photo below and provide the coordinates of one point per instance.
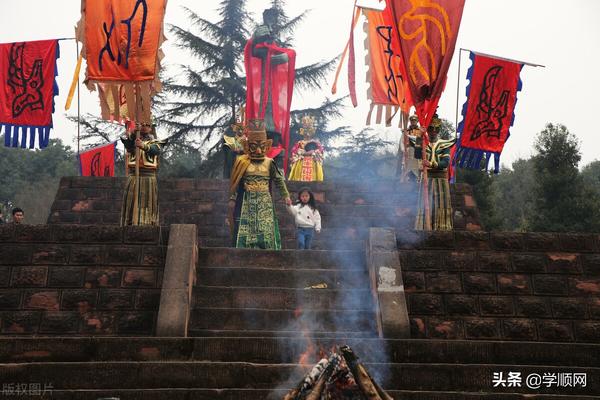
(563, 36)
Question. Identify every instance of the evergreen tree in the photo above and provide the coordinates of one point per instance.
(562, 201)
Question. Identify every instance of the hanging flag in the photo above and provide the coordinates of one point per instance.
(122, 40)
(427, 31)
(99, 161)
(488, 112)
(388, 88)
(27, 78)
(278, 83)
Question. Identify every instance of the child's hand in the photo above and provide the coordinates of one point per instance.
(288, 201)
(318, 231)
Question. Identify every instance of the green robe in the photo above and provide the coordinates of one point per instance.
(255, 221)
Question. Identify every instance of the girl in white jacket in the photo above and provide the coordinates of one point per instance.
(307, 218)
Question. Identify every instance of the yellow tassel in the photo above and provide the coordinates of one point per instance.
(74, 82)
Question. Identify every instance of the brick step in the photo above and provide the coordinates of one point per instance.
(216, 375)
(293, 278)
(287, 334)
(288, 243)
(281, 298)
(276, 394)
(288, 349)
(282, 259)
(286, 320)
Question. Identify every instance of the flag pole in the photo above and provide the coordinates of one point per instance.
(458, 90)
(505, 59)
(78, 103)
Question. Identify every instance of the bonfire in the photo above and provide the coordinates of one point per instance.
(339, 376)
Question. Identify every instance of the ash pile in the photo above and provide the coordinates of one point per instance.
(338, 376)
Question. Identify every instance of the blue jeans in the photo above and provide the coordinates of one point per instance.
(304, 237)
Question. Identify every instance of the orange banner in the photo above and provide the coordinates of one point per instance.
(122, 39)
(386, 71)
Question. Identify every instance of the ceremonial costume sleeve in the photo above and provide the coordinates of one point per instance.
(277, 176)
(129, 143)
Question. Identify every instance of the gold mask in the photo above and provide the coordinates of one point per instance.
(257, 145)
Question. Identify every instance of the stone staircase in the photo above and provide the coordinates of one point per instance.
(242, 292)
(219, 368)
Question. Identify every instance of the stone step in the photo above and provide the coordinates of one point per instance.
(281, 259)
(282, 298)
(288, 350)
(289, 243)
(276, 394)
(217, 375)
(279, 334)
(271, 277)
(284, 320)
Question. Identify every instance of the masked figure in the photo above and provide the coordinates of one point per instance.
(307, 155)
(140, 200)
(252, 214)
(436, 159)
(413, 150)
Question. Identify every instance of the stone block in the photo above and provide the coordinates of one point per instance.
(569, 308)
(519, 329)
(116, 299)
(41, 299)
(541, 241)
(50, 254)
(529, 262)
(142, 234)
(425, 304)
(59, 322)
(493, 262)
(514, 283)
(550, 284)
(482, 328)
(420, 260)
(5, 272)
(7, 233)
(563, 263)
(14, 254)
(496, 305)
(438, 240)
(443, 282)
(413, 281)
(506, 240)
(584, 286)
(29, 276)
(20, 322)
(533, 306)
(10, 299)
(98, 323)
(417, 328)
(147, 299)
(474, 283)
(472, 240)
(154, 255)
(70, 233)
(33, 233)
(136, 322)
(461, 305)
(587, 332)
(85, 254)
(82, 300)
(124, 255)
(459, 261)
(106, 234)
(555, 331)
(102, 277)
(578, 242)
(438, 328)
(133, 277)
(591, 264)
(61, 276)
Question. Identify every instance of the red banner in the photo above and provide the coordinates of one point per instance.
(427, 32)
(488, 112)
(278, 81)
(27, 90)
(99, 161)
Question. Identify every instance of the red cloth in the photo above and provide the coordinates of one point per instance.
(489, 110)
(427, 32)
(281, 80)
(27, 71)
(99, 161)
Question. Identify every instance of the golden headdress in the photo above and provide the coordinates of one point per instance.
(308, 127)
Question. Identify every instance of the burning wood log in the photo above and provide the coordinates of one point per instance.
(339, 377)
(369, 387)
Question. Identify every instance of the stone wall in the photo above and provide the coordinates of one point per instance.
(504, 286)
(88, 280)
